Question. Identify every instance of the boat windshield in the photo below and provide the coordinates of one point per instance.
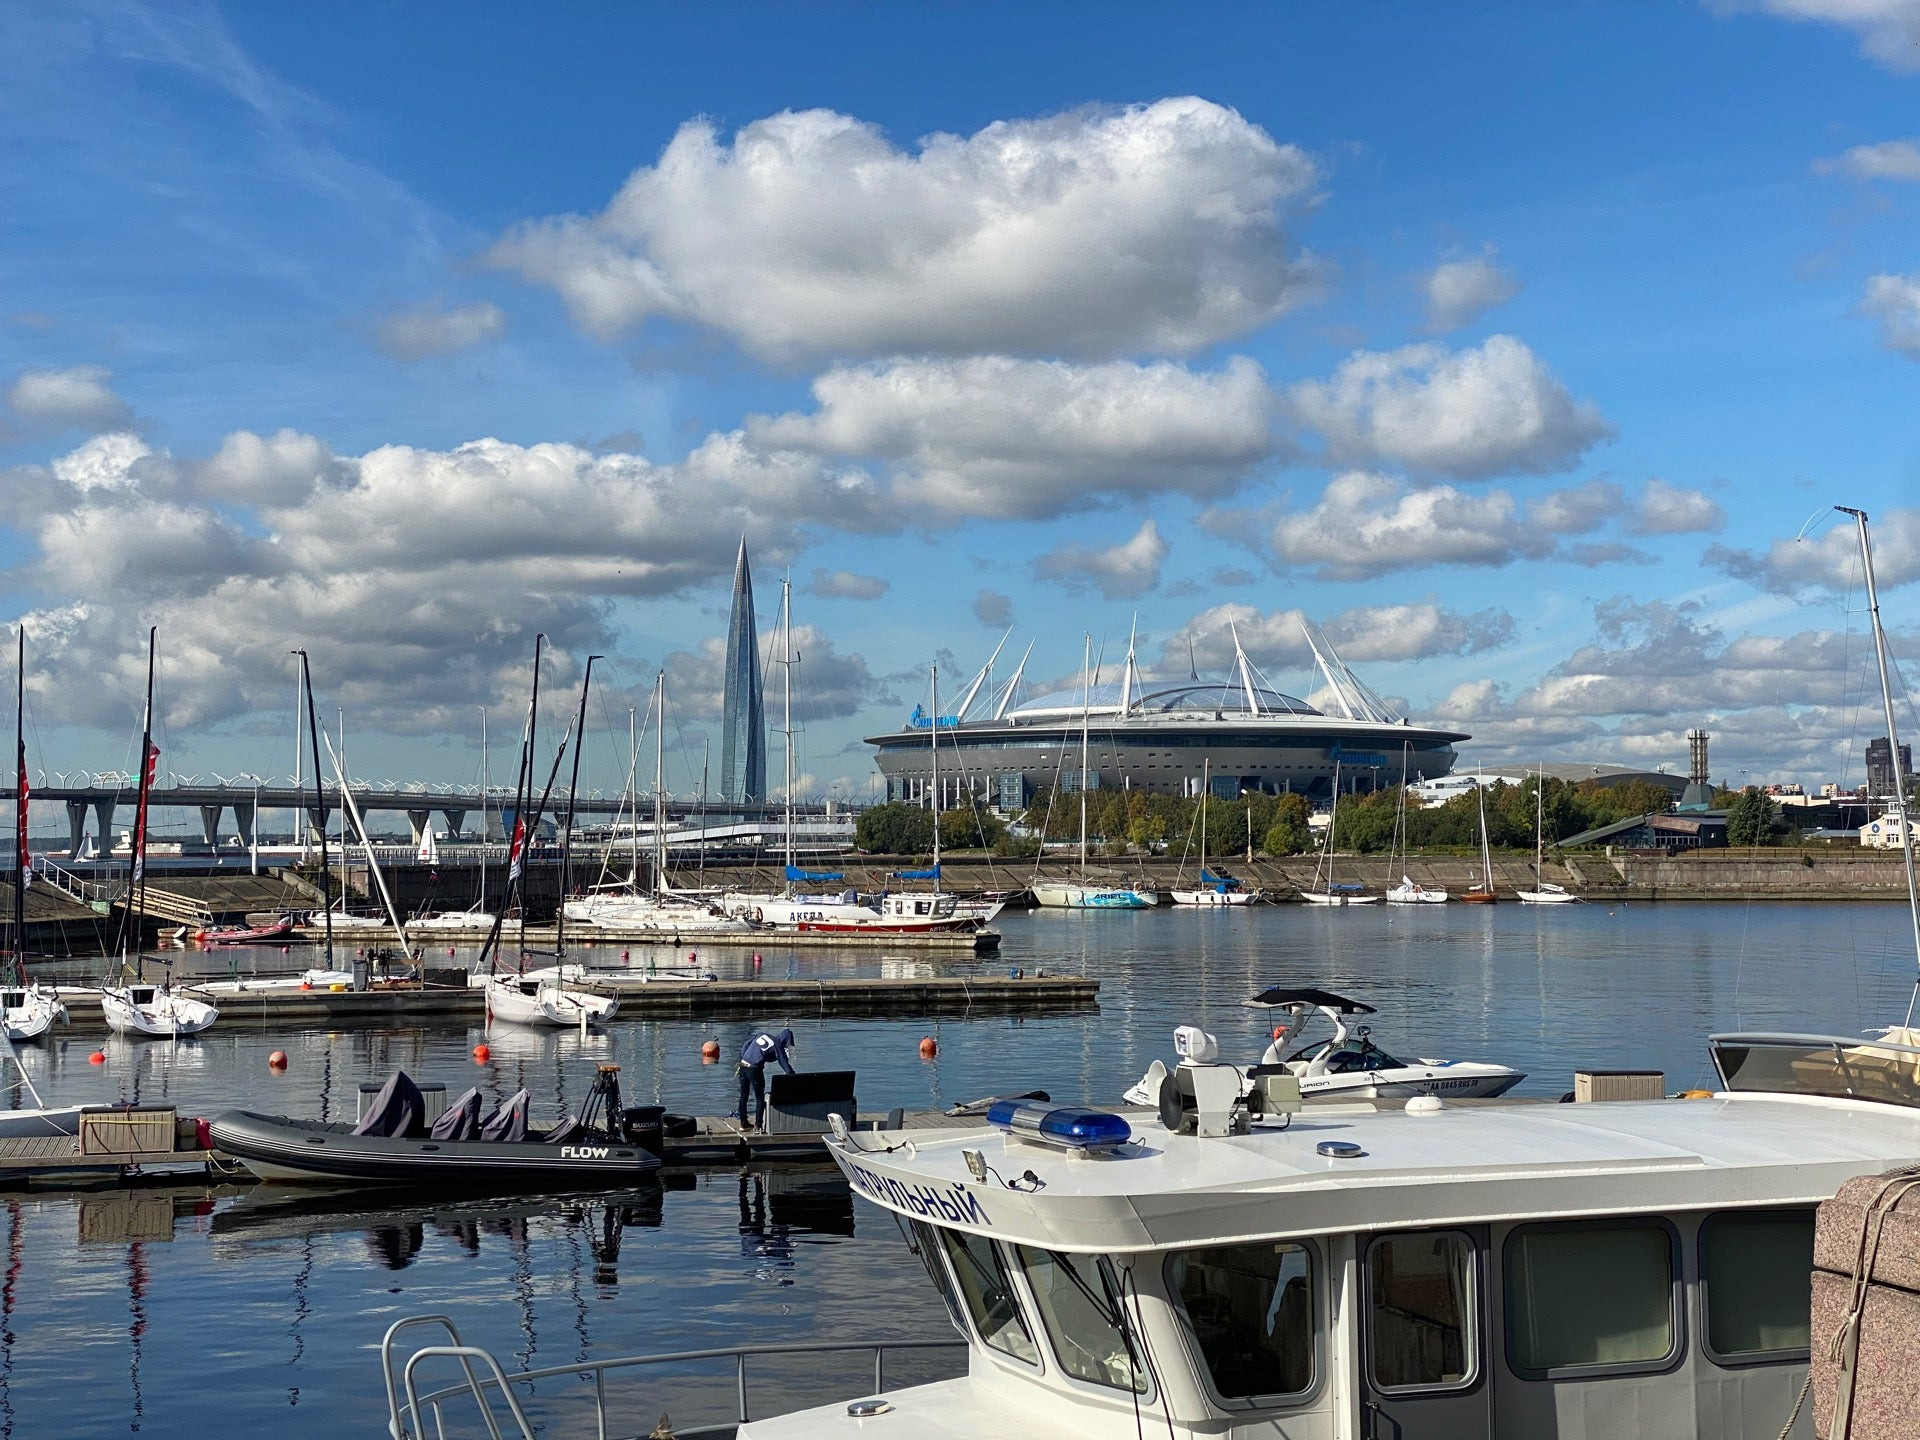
(1886, 1070)
(1352, 1056)
(981, 1274)
(1251, 1309)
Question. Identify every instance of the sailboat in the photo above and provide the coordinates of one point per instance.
(1481, 891)
(1544, 891)
(660, 910)
(1083, 892)
(1406, 892)
(1214, 890)
(1325, 891)
(138, 1008)
(26, 1011)
(847, 912)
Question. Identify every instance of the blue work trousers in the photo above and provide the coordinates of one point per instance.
(753, 1083)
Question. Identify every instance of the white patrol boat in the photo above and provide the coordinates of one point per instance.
(1255, 1271)
(1349, 1066)
(1622, 1269)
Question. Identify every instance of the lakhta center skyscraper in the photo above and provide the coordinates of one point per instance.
(743, 741)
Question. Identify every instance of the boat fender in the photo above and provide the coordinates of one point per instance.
(759, 916)
(202, 1134)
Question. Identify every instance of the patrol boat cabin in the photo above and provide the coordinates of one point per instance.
(1239, 1267)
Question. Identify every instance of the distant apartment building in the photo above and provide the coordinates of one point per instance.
(1880, 777)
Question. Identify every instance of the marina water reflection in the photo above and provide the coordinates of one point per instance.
(168, 1311)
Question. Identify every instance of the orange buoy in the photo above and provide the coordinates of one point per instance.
(710, 1053)
(929, 1047)
(756, 959)
(482, 1053)
(449, 952)
(97, 1058)
(277, 1060)
(283, 949)
(624, 956)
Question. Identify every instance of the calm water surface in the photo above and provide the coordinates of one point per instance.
(182, 1311)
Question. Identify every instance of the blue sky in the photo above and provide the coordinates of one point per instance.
(1511, 344)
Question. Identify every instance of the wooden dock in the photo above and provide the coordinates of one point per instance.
(115, 1143)
(643, 996)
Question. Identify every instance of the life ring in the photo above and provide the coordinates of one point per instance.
(759, 916)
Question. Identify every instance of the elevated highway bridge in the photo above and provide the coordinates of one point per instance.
(104, 794)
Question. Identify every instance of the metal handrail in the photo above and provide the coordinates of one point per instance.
(408, 1408)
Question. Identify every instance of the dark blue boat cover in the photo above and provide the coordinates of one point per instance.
(509, 1118)
(399, 1109)
(461, 1120)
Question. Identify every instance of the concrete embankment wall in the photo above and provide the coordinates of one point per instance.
(1841, 873)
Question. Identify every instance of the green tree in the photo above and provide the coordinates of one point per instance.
(895, 828)
(1287, 832)
(1750, 818)
(971, 829)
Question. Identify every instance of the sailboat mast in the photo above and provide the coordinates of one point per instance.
(659, 784)
(137, 851)
(933, 750)
(23, 863)
(319, 804)
(485, 784)
(573, 797)
(1206, 793)
(517, 837)
(1086, 712)
(1893, 742)
(1539, 827)
(786, 663)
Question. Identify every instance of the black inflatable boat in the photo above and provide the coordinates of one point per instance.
(607, 1146)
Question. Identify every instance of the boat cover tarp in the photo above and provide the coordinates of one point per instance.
(930, 874)
(1225, 882)
(461, 1120)
(509, 1118)
(399, 1109)
(1284, 995)
(795, 873)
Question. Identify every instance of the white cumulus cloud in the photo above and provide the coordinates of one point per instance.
(846, 585)
(1000, 438)
(1886, 160)
(1889, 30)
(1460, 291)
(1096, 232)
(78, 397)
(1664, 509)
(434, 329)
(1830, 560)
(1894, 300)
(1119, 572)
(1365, 525)
(1466, 414)
(1419, 630)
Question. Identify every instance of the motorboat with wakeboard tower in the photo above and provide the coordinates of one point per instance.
(1348, 1065)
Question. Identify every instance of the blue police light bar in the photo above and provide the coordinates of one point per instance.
(1059, 1124)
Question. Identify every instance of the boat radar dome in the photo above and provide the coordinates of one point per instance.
(1059, 1125)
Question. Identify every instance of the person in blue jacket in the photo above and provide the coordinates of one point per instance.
(753, 1071)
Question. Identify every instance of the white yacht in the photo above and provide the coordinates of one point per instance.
(1092, 895)
(1347, 1065)
(155, 1010)
(28, 1011)
(543, 1000)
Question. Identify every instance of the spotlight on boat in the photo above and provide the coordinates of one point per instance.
(837, 1123)
(1063, 1127)
(1190, 1042)
(976, 1164)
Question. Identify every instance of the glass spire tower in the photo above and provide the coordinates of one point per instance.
(743, 740)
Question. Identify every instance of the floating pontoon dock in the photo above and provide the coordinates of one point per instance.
(643, 995)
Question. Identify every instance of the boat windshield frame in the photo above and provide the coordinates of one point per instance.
(1863, 1068)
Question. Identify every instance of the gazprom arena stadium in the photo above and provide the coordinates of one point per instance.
(1161, 736)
